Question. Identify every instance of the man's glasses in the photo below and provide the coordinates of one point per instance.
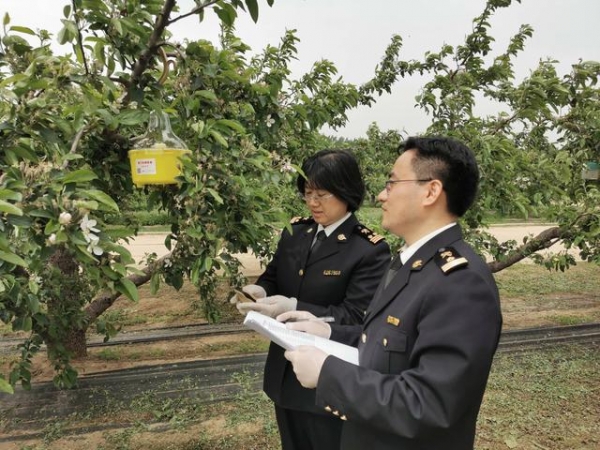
(315, 197)
(389, 183)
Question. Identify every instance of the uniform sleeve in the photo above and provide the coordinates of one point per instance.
(360, 290)
(458, 333)
(346, 334)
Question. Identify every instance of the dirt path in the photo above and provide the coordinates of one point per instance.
(154, 242)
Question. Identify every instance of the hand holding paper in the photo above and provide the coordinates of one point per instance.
(307, 362)
(305, 321)
(280, 334)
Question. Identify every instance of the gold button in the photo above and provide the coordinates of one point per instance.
(328, 408)
(385, 342)
(363, 338)
(336, 413)
(301, 272)
(343, 417)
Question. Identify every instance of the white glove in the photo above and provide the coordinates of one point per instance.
(305, 321)
(254, 290)
(269, 306)
(307, 362)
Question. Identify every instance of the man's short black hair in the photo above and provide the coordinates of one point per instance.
(451, 162)
(337, 172)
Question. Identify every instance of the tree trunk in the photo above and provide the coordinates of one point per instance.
(66, 305)
(76, 343)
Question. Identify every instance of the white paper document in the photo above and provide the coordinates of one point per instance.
(290, 339)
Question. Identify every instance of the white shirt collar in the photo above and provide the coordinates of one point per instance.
(331, 228)
(406, 254)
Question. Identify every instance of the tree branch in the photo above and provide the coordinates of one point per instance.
(80, 37)
(542, 241)
(105, 300)
(192, 12)
(162, 20)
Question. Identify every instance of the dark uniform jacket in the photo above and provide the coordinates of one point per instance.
(339, 279)
(425, 352)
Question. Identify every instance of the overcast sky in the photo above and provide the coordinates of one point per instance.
(353, 34)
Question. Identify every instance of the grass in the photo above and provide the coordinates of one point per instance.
(534, 282)
(547, 399)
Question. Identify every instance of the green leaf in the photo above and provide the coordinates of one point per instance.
(133, 117)
(13, 259)
(253, 9)
(34, 305)
(51, 227)
(80, 176)
(22, 323)
(127, 288)
(4, 385)
(111, 274)
(233, 124)
(226, 13)
(87, 204)
(19, 221)
(102, 198)
(7, 194)
(9, 208)
(68, 32)
(219, 138)
(154, 283)
(215, 195)
(24, 30)
(207, 95)
(41, 213)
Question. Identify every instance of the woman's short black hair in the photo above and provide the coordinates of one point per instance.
(337, 172)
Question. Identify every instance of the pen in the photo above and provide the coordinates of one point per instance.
(327, 319)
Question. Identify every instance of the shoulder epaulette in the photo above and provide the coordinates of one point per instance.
(368, 234)
(448, 259)
(301, 220)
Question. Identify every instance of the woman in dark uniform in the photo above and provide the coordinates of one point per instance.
(329, 265)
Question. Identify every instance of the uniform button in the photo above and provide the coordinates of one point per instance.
(328, 408)
(385, 342)
(301, 272)
(336, 413)
(343, 417)
(363, 338)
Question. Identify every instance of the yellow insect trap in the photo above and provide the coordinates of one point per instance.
(156, 155)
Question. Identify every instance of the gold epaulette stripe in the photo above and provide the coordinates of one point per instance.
(454, 263)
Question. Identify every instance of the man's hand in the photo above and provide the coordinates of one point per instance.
(307, 362)
(305, 321)
(269, 306)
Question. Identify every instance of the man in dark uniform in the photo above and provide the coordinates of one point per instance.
(431, 331)
(329, 265)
